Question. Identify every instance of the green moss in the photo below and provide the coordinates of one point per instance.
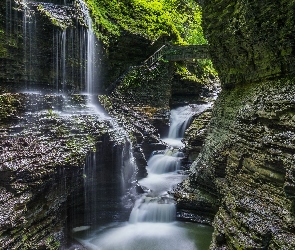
(105, 101)
(251, 39)
(180, 20)
(9, 106)
(51, 243)
(54, 21)
(198, 74)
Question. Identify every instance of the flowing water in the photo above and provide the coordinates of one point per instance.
(90, 51)
(181, 118)
(66, 55)
(152, 222)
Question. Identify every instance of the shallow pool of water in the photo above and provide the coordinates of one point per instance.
(147, 236)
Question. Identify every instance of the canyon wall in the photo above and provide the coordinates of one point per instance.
(61, 167)
(244, 178)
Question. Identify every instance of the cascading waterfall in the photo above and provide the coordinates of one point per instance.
(163, 166)
(90, 51)
(152, 222)
(167, 161)
(74, 66)
(149, 209)
(180, 119)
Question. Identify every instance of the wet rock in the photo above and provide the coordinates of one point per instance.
(244, 169)
(195, 135)
(41, 167)
(220, 239)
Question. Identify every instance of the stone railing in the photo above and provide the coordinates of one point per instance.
(186, 52)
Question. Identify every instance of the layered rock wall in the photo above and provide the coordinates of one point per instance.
(245, 171)
(51, 155)
(250, 41)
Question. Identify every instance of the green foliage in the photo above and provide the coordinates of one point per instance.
(140, 76)
(182, 70)
(178, 19)
(207, 67)
(51, 114)
(200, 73)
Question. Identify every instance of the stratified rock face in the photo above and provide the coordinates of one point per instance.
(250, 40)
(246, 168)
(53, 150)
(252, 133)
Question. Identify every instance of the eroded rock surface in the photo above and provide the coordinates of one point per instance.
(244, 179)
(52, 150)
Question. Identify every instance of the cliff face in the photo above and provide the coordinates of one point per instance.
(250, 41)
(245, 171)
(49, 159)
(41, 46)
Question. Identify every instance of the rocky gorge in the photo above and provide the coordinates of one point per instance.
(57, 153)
(244, 177)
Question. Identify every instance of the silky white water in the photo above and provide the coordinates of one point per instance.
(90, 51)
(180, 119)
(152, 224)
(148, 236)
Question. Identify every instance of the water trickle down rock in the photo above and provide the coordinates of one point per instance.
(65, 61)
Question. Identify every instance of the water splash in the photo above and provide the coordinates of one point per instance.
(151, 209)
(181, 118)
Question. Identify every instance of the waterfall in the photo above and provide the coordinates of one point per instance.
(91, 198)
(59, 54)
(29, 31)
(63, 60)
(164, 163)
(150, 209)
(90, 51)
(162, 171)
(107, 175)
(181, 119)
(152, 223)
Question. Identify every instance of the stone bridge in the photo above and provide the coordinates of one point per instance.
(169, 53)
(179, 53)
(185, 52)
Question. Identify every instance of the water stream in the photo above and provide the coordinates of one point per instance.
(68, 58)
(152, 222)
(181, 118)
